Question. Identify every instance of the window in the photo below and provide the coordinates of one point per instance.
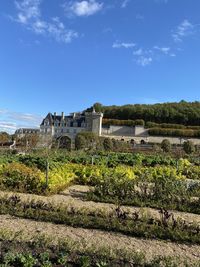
(46, 123)
(74, 131)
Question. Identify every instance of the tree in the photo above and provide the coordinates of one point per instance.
(166, 145)
(4, 137)
(80, 142)
(29, 141)
(98, 107)
(188, 147)
(86, 140)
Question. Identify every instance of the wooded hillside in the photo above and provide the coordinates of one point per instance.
(185, 113)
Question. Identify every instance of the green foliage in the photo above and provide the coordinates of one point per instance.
(4, 137)
(188, 147)
(32, 251)
(135, 224)
(87, 140)
(166, 145)
(185, 113)
(20, 178)
(174, 132)
(108, 122)
(108, 144)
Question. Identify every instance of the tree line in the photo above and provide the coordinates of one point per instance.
(185, 113)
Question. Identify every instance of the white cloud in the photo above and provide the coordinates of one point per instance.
(83, 8)
(124, 3)
(123, 45)
(29, 14)
(185, 29)
(143, 57)
(27, 9)
(138, 52)
(10, 120)
(164, 50)
(144, 61)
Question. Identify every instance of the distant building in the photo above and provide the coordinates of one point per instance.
(60, 125)
(26, 131)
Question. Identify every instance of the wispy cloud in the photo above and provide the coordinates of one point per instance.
(10, 120)
(184, 29)
(123, 45)
(29, 15)
(164, 50)
(82, 8)
(143, 57)
(144, 60)
(125, 3)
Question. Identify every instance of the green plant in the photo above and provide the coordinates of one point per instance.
(188, 147)
(166, 145)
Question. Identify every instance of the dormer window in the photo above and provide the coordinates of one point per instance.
(57, 123)
(46, 122)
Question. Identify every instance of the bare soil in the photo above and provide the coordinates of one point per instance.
(96, 238)
(74, 196)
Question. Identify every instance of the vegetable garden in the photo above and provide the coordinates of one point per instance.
(157, 181)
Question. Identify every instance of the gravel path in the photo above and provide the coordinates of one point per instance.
(96, 238)
(73, 196)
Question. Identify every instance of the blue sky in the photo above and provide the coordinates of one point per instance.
(63, 55)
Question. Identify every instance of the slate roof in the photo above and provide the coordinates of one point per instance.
(79, 118)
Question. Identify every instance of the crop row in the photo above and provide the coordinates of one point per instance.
(166, 227)
(19, 177)
(39, 158)
(41, 253)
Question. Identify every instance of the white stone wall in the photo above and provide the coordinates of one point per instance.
(153, 139)
(118, 130)
(140, 131)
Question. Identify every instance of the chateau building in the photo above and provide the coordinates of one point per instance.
(60, 125)
(24, 131)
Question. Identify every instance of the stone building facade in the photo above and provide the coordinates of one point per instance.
(26, 131)
(60, 125)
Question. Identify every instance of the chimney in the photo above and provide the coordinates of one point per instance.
(62, 115)
(55, 114)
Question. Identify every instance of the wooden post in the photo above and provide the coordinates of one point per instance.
(47, 173)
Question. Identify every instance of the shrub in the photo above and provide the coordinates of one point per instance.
(166, 145)
(107, 144)
(188, 147)
(174, 132)
(86, 140)
(21, 178)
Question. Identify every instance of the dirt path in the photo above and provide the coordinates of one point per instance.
(96, 238)
(74, 196)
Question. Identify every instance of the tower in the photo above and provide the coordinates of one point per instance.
(94, 122)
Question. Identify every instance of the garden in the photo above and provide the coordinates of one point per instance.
(121, 182)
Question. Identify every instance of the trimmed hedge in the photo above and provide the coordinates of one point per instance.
(108, 122)
(174, 132)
